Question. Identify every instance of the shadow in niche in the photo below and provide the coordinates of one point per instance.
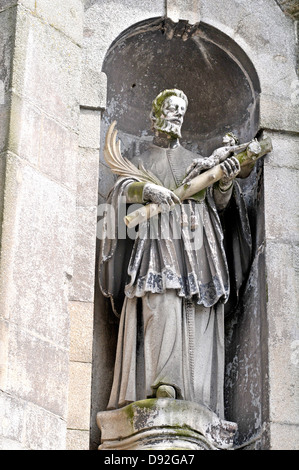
(246, 334)
(223, 91)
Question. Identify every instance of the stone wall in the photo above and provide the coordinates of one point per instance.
(39, 147)
(281, 182)
(92, 102)
(7, 34)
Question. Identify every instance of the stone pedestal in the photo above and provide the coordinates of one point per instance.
(164, 424)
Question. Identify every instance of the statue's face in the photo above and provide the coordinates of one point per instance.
(172, 114)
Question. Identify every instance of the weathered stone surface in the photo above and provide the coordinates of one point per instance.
(46, 69)
(12, 414)
(281, 204)
(79, 396)
(31, 4)
(7, 4)
(284, 436)
(183, 10)
(37, 257)
(84, 261)
(245, 17)
(53, 435)
(2, 185)
(29, 359)
(21, 424)
(39, 166)
(7, 32)
(77, 440)
(87, 177)
(81, 335)
(26, 3)
(285, 151)
(45, 143)
(3, 353)
(277, 113)
(161, 424)
(268, 38)
(290, 7)
(65, 16)
(115, 18)
(93, 89)
(8, 444)
(4, 119)
(89, 122)
(283, 279)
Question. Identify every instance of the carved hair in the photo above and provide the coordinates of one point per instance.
(159, 100)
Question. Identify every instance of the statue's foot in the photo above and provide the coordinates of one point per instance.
(165, 391)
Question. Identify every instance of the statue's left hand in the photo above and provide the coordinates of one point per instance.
(231, 168)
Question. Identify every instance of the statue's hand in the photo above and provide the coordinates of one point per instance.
(198, 165)
(231, 168)
(160, 195)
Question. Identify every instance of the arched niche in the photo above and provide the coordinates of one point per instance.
(223, 91)
(214, 72)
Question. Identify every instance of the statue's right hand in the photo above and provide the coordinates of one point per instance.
(160, 195)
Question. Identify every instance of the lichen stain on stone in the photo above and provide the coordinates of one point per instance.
(138, 415)
(142, 414)
(220, 435)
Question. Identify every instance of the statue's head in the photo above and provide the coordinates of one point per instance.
(168, 112)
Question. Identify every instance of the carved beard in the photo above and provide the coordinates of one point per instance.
(168, 127)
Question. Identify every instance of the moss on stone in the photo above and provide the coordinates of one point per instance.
(135, 192)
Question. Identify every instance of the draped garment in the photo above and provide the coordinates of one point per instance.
(170, 281)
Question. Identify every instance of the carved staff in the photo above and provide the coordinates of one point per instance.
(123, 167)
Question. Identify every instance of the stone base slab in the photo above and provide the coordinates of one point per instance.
(164, 424)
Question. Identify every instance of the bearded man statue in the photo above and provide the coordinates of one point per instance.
(171, 283)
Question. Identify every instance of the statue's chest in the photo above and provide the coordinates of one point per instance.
(169, 165)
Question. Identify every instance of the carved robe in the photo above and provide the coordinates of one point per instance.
(171, 284)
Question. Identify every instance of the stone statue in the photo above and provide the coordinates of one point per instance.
(171, 283)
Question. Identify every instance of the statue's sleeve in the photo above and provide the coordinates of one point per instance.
(115, 246)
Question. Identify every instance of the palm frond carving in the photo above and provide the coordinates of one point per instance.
(121, 165)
